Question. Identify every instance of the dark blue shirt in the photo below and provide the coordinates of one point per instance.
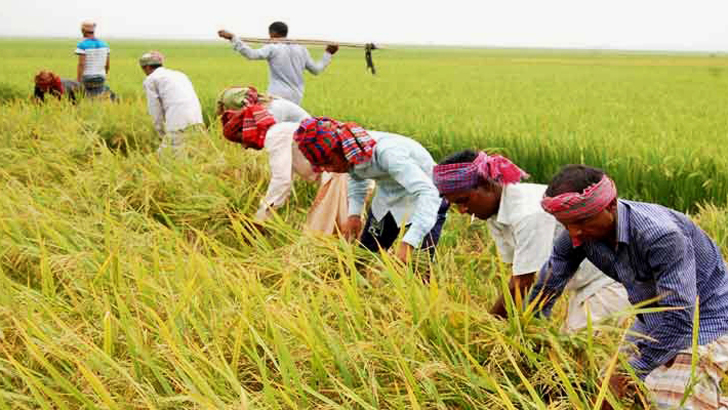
(659, 252)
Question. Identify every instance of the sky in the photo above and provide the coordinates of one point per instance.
(687, 25)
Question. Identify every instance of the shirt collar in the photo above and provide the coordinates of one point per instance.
(502, 216)
(622, 223)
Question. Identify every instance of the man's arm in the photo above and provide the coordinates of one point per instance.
(419, 185)
(37, 94)
(534, 238)
(555, 274)
(280, 160)
(672, 259)
(518, 287)
(154, 105)
(108, 64)
(357, 193)
(316, 67)
(79, 67)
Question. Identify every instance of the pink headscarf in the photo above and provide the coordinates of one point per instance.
(574, 206)
(463, 176)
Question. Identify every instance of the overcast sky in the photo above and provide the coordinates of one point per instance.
(620, 24)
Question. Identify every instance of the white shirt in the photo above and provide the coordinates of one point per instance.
(524, 234)
(286, 63)
(172, 101)
(286, 111)
(285, 160)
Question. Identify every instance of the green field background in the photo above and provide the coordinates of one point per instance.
(127, 282)
(656, 122)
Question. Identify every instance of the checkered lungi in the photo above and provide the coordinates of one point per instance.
(667, 384)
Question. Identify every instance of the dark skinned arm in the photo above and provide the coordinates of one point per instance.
(521, 283)
(79, 68)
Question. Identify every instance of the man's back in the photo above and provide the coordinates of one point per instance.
(286, 64)
(177, 96)
(96, 52)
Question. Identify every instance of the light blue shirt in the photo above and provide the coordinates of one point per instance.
(402, 169)
(286, 63)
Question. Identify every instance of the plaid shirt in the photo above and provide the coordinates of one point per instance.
(659, 252)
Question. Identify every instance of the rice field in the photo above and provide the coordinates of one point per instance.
(133, 283)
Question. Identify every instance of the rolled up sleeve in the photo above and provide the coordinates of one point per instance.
(250, 53)
(555, 274)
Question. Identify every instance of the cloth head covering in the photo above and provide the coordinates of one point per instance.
(575, 206)
(89, 26)
(247, 126)
(449, 178)
(46, 78)
(318, 137)
(151, 58)
(236, 98)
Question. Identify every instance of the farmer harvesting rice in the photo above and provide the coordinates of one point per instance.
(93, 61)
(47, 82)
(286, 62)
(236, 98)
(489, 187)
(265, 122)
(655, 252)
(402, 169)
(172, 102)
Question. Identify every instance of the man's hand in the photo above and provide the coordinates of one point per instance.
(332, 49)
(404, 252)
(260, 228)
(352, 229)
(225, 34)
(619, 383)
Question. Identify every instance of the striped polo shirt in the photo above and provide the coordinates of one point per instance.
(96, 52)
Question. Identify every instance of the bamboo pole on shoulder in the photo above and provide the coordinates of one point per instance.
(305, 42)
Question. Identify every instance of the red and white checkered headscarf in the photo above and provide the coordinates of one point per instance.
(247, 126)
(319, 137)
(575, 206)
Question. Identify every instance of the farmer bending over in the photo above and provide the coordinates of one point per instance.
(172, 103)
(286, 62)
(489, 187)
(47, 82)
(402, 169)
(237, 98)
(654, 252)
(265, 122)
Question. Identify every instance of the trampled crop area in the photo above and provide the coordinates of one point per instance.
(133, 283)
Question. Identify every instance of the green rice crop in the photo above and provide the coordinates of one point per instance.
(133, 283)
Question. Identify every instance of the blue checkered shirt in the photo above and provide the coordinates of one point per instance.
(659, 251)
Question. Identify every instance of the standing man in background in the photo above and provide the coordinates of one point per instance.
(286, 61)
(93, 61)
(172, 102)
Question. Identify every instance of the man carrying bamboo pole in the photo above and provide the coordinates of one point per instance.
(657, 254)
(286, 62)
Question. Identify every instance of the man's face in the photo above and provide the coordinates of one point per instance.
(595, 228)
(481, 202)
(337, 163)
